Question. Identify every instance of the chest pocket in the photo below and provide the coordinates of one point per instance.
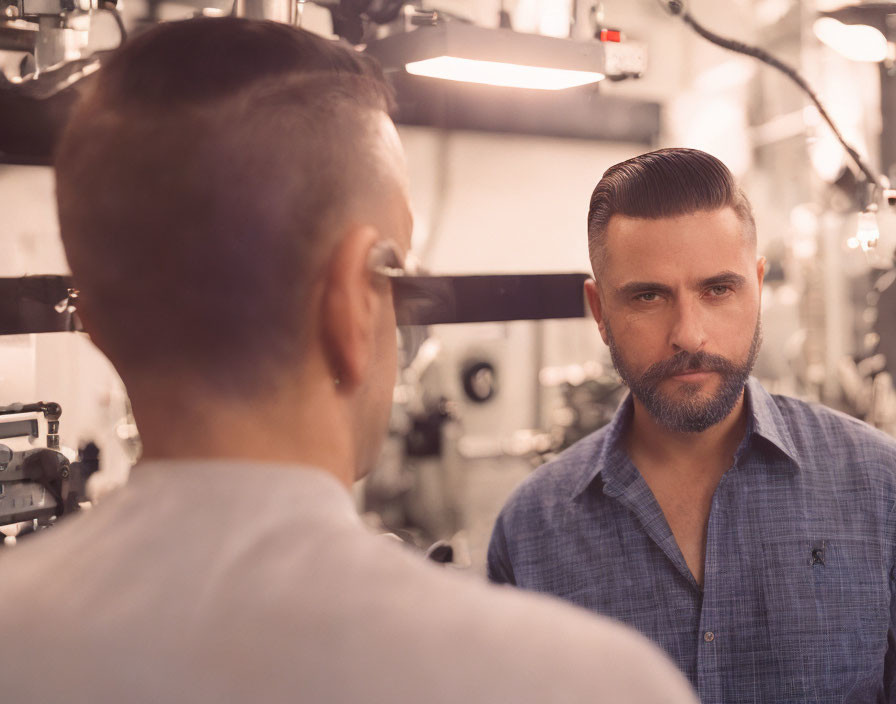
(827, 605)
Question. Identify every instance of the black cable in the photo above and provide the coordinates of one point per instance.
(676, 7)
(504, 21)
(110, 8)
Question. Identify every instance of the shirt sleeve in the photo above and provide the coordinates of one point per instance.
(500, 569)
(890, 657)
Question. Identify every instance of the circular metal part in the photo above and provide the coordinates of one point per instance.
(479, 380)
(425, 18)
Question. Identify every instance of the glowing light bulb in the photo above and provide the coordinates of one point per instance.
(867, 233)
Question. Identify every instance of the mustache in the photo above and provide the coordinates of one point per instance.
(683, 362)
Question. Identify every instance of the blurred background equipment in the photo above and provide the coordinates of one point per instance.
(49, 46)
(38, 484)
(431, 300)
(480, 380)
(37, 304)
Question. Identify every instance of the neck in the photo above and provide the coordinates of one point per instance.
(313, 430)
(715, 446)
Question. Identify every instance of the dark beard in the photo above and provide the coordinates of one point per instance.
(690, 414)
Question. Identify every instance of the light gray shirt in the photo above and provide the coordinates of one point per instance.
(237, 582)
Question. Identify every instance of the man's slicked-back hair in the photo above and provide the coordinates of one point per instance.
(663, 184)
(201, 185)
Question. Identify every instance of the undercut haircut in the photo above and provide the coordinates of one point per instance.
(663, 184)
(201, 184)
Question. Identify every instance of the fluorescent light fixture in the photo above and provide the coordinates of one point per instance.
(496, 73)
(856, 42)
(458, 51)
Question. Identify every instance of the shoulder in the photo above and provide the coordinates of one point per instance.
(816, 428)
(343, 616)
(574, 651)
(554, 483)
(382, 614)
(838, 452)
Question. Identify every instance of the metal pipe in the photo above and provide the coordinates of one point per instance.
(51, 42)
(15, 39)
(277, 10)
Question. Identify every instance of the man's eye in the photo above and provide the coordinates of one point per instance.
(719, 290)
(648, 297)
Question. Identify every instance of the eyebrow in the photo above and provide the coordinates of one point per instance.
(634, 288)
(726, 277)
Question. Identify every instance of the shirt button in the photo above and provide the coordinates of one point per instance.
(709, 636)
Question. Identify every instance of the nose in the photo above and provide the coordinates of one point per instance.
(687, 332)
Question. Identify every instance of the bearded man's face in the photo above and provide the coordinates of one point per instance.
(677, 301)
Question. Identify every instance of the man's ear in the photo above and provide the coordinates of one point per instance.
(760, 272)
(350, 303)
(592, 294)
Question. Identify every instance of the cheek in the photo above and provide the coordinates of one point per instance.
(733, 324)
(387, 353)
(639, 341)
(640, 333)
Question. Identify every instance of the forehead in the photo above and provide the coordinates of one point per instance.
(694, 245)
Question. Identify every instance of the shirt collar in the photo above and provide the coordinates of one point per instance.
(613, 464)
(611, 460)
(768, 422)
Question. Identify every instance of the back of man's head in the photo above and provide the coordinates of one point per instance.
(201, 184)
(663, 184)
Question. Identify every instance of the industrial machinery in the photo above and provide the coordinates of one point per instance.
(39, 482)
(49, 47)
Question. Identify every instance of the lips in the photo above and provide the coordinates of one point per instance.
(691, 374)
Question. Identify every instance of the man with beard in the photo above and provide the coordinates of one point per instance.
(750, 535)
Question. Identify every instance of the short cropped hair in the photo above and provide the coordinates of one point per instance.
(200, 183)
(662, 184)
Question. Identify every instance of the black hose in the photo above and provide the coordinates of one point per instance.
(111, 9)
(676, 7)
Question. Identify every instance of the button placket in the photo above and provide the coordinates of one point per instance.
(709, 653)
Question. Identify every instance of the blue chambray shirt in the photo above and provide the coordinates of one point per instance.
(797, 601)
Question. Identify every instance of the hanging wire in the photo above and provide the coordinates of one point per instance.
(504, 21)
(677, 8)
(116, 15)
